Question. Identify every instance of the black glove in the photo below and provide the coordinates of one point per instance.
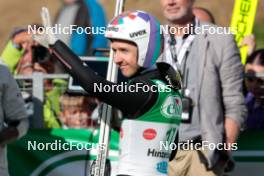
(8, 134)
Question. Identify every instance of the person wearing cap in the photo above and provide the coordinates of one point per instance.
(23, 56)
(152, 115)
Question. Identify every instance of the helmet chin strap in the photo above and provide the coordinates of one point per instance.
(143, 70)
(152, 67)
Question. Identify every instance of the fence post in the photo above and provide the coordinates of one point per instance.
(38, 100)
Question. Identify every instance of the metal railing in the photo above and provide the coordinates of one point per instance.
(38, 93)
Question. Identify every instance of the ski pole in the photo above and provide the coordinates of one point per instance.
(99, 169)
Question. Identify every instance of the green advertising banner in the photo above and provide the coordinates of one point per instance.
(47, 152)
(54, 152)
(250, 154)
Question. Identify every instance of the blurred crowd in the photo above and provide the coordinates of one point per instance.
(63, 109)
(253, 74)
(23, 56)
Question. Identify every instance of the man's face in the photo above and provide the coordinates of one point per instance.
(255, 85)
(125, 56)
(176, 10)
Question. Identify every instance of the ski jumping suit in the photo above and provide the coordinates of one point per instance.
(151, 117)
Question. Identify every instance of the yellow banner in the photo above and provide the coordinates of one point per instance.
(242, 22)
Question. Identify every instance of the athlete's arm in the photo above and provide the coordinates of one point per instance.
(128, 102)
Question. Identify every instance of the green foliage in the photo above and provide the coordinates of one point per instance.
(259, 33)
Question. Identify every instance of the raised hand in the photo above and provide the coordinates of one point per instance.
(47, 38)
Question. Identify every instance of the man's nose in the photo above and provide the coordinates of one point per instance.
(172, 2)
(117, 58)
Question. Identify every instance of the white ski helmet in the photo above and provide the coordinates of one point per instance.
(142, 29)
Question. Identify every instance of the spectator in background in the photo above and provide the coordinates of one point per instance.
(203, 15)
(76, 111)
(254, 70)
(13, 115)
(213, 102)
(83, 13)
(24, 56)
(17, 54)
(21, 52)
